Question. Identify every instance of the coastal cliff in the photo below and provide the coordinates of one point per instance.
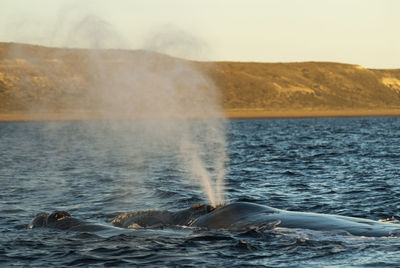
(41, 83)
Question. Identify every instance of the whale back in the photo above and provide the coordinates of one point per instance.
(157, 218)
(234, 216)
(237, 216)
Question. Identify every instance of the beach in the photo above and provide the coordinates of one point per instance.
(229, 114)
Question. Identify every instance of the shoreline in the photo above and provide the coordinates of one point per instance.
(230, 114)
(260, 114)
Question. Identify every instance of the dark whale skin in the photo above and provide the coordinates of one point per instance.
(64, 221)
(236, 215)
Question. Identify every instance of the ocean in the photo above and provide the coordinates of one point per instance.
(95, 170)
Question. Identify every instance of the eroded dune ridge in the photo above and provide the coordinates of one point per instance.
(41, 83)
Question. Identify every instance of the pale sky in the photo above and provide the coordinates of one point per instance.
(364, 32)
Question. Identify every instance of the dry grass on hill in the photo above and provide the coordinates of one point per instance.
(39, 81)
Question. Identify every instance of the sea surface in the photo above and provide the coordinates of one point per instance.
(94, 170)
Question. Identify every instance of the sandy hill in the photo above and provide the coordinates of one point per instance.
(41, 80)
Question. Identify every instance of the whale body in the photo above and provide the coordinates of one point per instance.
(156, 218)
(64, 221)
(241, 214)
(234, 216)
(244, 215)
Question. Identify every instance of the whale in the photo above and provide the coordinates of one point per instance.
(64, 221)
(242, 215)
(245, 215)
(157, 219)
(235, 216)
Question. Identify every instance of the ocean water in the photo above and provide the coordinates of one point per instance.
(94, 170)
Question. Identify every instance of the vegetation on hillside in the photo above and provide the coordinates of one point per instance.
(35, 78)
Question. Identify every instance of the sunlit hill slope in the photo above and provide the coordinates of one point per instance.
(36, 82)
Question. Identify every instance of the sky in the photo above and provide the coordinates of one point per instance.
(364, 32)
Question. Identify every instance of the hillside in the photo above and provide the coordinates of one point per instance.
(50, 83)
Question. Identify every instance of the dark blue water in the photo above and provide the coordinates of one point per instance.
(347, 166)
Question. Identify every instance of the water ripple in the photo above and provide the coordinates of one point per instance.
(346, 166)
